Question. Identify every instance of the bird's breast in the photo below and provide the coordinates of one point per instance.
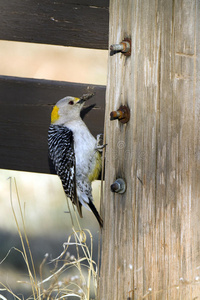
(84, 147)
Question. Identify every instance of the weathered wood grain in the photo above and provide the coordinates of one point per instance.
(70, 23)
(151, 236)
(26, 106)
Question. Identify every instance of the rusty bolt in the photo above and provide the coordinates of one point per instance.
(119, 186)
(117, 47)
(124, 47)
(122, 114)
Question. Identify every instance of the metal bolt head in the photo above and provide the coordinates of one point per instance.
(124, 47)
(116, 115)
(119, 186)
(122, 114)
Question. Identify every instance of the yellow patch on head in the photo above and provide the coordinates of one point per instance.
(55, 115)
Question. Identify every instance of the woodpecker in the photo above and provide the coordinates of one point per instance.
(75, 153)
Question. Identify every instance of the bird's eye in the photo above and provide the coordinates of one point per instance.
(71, 102)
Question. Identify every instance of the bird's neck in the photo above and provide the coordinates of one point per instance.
(75, 124)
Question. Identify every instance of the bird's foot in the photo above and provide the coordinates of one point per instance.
(100, 146)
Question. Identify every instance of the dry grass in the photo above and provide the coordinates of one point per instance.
(60, 283)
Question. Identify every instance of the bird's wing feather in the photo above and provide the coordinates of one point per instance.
(61, 151)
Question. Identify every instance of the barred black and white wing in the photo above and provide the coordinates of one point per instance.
(61, 151)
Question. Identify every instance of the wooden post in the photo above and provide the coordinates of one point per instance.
(151, 235)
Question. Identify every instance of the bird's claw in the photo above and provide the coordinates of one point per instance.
(100, 146)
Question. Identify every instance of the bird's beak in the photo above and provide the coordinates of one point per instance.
(84, 98)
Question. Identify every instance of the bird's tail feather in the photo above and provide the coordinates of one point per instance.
(95, 212)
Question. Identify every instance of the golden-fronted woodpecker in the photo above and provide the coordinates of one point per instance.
(75, 153)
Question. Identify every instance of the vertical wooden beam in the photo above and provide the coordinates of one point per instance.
(151, 236)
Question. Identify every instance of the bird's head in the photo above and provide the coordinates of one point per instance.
(68, 109)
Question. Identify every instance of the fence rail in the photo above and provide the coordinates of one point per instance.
(69, 23)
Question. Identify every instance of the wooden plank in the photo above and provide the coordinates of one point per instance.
(151, 235)
(26, 106)
(70, 23)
